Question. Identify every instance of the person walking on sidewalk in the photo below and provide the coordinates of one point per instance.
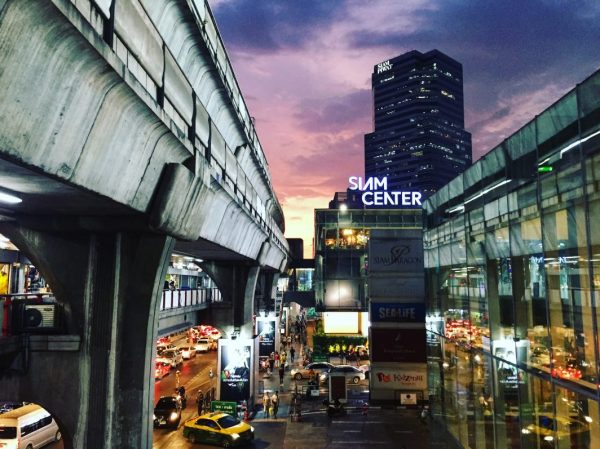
(266, 402)
(283, 359)
(275, 403)
(292, 354)
(271, 362)
(281, 374)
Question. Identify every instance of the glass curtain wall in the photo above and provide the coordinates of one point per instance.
(513, 273)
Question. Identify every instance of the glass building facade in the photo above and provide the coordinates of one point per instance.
(512, 259)
(341, 252)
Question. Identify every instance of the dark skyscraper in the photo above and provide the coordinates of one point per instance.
(419, 141)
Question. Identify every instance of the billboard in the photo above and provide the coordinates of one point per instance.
(398, 345)
(399, 378)
(235, 362)
(340, 322)
(265, 329)
(396, 312)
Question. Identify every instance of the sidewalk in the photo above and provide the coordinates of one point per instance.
(382, 428)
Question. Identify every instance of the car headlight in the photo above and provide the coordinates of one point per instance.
(235, 436)
(153, 416)
(173, 416)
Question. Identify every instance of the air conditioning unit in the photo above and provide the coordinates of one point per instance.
(36, 317)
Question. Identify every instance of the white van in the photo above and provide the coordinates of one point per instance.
(27, 427)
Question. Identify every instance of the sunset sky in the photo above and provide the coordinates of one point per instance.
(304, 67)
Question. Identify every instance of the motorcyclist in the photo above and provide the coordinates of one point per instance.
(181, 392)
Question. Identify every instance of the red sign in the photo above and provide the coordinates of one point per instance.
(398, 345)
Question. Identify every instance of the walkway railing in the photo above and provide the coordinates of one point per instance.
(176, 299)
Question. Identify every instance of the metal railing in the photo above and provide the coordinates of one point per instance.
(179, 298)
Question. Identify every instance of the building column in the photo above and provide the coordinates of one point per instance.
(109, 284)
(237, 283)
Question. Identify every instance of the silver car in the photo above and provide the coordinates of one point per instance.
(352, 373)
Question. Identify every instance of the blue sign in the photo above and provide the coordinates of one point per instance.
(392, 312)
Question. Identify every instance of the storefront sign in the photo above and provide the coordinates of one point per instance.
(398, 345)
(399, 379)
(234, 365)
(398, 255)
(373, 197)
(397, 312)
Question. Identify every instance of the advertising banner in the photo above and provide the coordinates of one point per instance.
(398, 378)
(402, 253)
(392, 312)
(235, 369)
(398, 345)
(266, 335)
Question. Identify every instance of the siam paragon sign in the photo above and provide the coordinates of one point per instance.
(375, 193)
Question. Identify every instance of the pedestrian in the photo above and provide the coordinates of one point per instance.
(271, 362)
(423, 415)
(281, 374)
(266, 404)
(200, 401)
(275, 403)
(276, 359)
(292, 354)
(283, 359)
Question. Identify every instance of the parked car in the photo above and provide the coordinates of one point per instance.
(352, 373)
(167, 412)
(187, 352)
(173, 357)
(161, 370)
(304, 373)
(203, 345)
(218, 428)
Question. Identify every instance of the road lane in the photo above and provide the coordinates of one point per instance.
(193, 376)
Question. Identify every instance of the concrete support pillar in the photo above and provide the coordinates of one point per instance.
(237, 283)
(109, 284)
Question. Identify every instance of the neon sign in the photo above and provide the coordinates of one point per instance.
(384, 66)
(373, 197)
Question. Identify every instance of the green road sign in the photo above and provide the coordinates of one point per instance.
(223, 406)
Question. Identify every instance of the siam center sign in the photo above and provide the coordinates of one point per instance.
(375, 193)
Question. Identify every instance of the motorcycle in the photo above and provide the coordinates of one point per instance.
(334, 408)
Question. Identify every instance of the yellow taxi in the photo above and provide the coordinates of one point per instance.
(218, 428)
